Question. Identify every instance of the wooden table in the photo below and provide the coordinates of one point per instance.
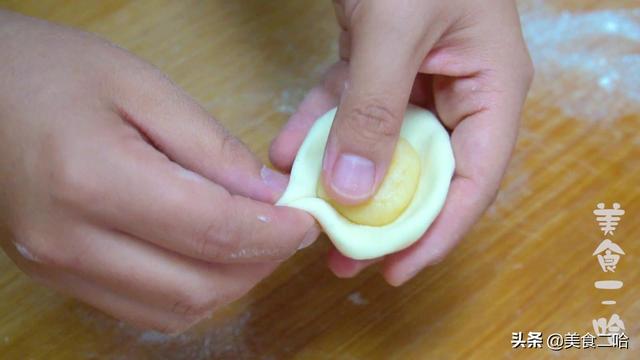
(527, 266)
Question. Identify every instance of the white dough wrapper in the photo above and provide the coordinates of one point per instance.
(432, 143)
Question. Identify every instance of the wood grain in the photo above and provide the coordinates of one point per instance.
(527, 266)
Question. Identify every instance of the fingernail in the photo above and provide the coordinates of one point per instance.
(25, 252)
(353, 175)
(274, 180)
(310, 237)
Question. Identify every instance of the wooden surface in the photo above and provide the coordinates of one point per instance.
(526, 266)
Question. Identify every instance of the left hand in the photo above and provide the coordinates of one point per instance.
(465, 61)
(118, 189)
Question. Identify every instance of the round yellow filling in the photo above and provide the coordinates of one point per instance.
(394, 194)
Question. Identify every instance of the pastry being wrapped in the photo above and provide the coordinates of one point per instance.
(406, 203)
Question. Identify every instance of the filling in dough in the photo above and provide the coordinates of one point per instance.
(409, 199)
(393, 195)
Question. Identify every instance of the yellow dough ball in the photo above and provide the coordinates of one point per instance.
(394, 194)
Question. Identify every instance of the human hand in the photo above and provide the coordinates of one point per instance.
(464, 60)
(118, 189)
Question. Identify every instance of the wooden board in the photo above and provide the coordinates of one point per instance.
(527, 266)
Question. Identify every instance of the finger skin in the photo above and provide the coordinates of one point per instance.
(345, 267)
(121, 307)
(138, 314)
(182, 130)
(367, 125)
(482, 145)
(226, 179)
(480, 99)
(142, 272)
(136, 189)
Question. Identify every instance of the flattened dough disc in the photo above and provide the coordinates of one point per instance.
(432, 143)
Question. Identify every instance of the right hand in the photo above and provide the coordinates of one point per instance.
(465, 61)
(118, 189)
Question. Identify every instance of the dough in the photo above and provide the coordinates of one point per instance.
(393, 224)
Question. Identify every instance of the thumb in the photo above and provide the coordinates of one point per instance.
(190, 137)
(384, 60)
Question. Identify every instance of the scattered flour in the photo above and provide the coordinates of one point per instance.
(154, 337)
(290, 99)
(229, 340)
(356, 298)
(296, 90)
(225, 341)
(515, 189)
(587, 65)
(587, 62)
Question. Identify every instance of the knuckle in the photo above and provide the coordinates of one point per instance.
(231, 149)
(373, 121)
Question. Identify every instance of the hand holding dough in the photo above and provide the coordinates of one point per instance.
(408, 200)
